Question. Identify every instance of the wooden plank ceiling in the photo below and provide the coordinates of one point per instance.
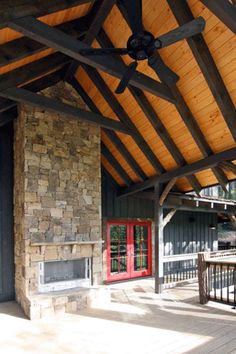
(164, 137)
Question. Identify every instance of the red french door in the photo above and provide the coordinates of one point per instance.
(128, 250)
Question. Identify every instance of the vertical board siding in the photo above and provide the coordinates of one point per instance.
(187, 232)
(6, 214)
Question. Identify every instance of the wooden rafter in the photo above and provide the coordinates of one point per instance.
(35, 86)
(208, 162)
(153, 118)
(54, 38)
(32, 71)
(14, 9)
(228, 166)
(207, 65)
(109, 177)
(25, 96)
(224, 10)
(123, 116)
(20, 48)
(189, 121)
(115, 164)
(98, 13)
(112, 135)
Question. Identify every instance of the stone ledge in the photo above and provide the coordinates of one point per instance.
(36, 244)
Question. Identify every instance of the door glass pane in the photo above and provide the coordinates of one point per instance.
(140, 247)
(118, 249)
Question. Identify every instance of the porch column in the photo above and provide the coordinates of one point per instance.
(159, 240)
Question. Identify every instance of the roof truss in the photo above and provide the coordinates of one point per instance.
(25, 96)
(61, 38)
(54, 38)
(225, 10)
(14, 9)
(208, 67)
(208, 162)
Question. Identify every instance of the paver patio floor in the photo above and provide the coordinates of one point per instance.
(125, 318)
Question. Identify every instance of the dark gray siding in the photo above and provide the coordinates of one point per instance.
(6, 214)
(188, 232)
(128, 207)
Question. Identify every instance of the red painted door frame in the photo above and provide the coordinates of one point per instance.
(130, 271)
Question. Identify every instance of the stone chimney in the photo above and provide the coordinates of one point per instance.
(57, 199)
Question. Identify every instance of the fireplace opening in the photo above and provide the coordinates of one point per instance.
(60, 275)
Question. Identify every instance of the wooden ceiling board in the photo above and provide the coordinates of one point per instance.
(112, 171)
(29, 59)
(158, 19)
(119, 157)
(54, 19)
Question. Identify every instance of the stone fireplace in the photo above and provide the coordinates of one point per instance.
(57, 208)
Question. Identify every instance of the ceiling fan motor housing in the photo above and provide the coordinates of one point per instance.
(141, 45)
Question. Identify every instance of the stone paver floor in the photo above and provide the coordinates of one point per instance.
(125, 318)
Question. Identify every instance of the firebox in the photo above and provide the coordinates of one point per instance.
(66, 274)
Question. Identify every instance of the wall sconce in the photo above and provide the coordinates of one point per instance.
(212, 227)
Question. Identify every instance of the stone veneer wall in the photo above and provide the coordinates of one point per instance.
(57, 198)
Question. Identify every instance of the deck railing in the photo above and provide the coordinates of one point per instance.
(180, 267)
(217, 276)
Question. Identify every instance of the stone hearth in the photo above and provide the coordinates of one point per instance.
(57, 200)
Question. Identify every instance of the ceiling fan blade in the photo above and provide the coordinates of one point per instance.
(126, 78)
(165, 74)
(134, 14)
(188, 30)
(103, 51)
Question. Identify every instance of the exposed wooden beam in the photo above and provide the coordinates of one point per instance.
(162, 132)
(208, 162)
(109, 177)
(22, 95)
(112, 135)
(223, 9)
(159, 241)
(207, 64)
(228, 166)
(35, 86)
(188, 119)
(195, 131)
(60, 41)
(174, 201)
(115, 164)
(166, 190)
(98, 13)
(123, 116)
(32, 71)
(169, 216)
(20, 48)
(153, 118)
(14, 9)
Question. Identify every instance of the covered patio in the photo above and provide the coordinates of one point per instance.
(127, 318)
(115, 116)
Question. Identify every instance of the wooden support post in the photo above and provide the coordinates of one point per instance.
(159, 241)
(202, 277)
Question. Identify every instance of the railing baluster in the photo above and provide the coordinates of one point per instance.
(215, 281)
(221, 283)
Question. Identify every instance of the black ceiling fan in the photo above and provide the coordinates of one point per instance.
(143, 45)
